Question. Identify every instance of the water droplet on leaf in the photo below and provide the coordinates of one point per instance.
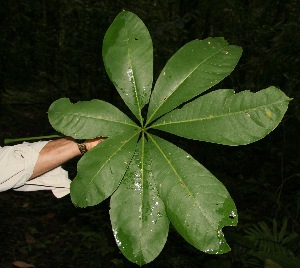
(130, 74)
(115, 232)
(232, 215)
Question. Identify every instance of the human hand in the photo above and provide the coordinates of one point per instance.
(93, 142)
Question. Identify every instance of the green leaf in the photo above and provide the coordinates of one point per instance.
(152, 181)
(282, 233)
(128, 59)
(101, 169)
(279, 257)
(137, 213)
(197, 204)
(88, 119)
(194, 68)
(227, 118)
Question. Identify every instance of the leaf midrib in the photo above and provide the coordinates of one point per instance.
(106, 161)
(210, 117)
(133, 77)
(181, 82)
(142, 196)
(96, 118)
(181, 181)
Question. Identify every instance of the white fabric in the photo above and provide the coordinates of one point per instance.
(17, 164)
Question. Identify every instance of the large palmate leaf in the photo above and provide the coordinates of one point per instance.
(227, 118)
(137, 213)
(197, 204)
(101, 170)
(194, 68)
(88, 119)
(128, 59)
(152, 181)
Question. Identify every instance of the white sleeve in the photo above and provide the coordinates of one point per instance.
(17, 164)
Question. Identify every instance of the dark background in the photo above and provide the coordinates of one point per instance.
(52, 49)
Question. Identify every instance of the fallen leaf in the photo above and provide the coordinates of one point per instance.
(22, 264)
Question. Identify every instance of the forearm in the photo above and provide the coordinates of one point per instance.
(54, 154)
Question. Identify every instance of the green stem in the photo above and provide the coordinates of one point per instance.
(7, 141)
